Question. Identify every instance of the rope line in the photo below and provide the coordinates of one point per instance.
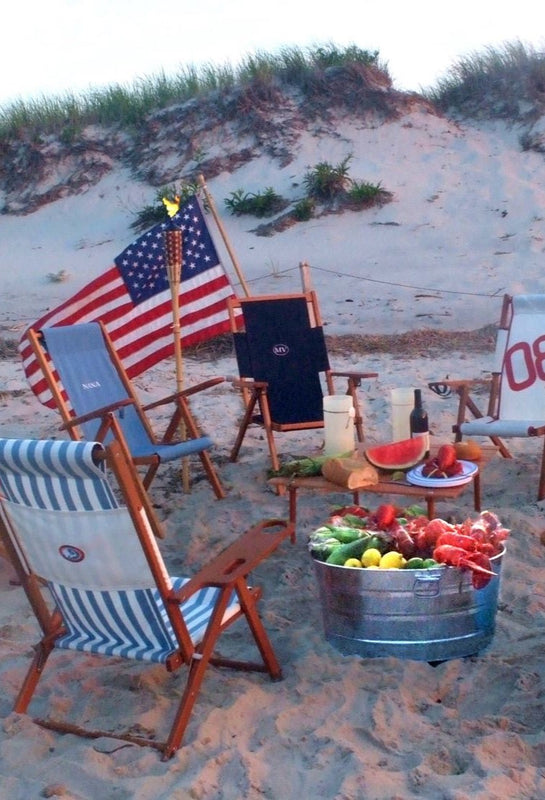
(339, 274)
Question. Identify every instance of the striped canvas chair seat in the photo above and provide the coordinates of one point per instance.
(70, 538)
(75, 536)
(132, 623)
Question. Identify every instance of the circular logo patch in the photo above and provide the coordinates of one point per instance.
(71, 553)
(280, 349)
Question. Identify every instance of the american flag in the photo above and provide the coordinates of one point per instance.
(133, 299)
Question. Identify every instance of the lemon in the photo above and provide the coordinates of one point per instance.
(391, 560)
(371, 557)
(352, 562)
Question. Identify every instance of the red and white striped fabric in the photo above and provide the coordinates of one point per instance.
(133, 299)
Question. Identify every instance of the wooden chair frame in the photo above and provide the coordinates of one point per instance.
(182, 416)
(228, 573)
(254, 393)
(468, 406)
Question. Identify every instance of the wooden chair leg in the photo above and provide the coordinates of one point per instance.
(466, 402)
(43, 650)
(243, 427)
(260, 635)
(150, 475)
(267, 424)
(197, 670)
(211, 473)
(185, 414)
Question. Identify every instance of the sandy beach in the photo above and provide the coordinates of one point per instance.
(438, 257)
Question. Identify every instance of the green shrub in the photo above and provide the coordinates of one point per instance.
(304, 209)
(362, 192)
(325, 182)
(156, 212)
(260, 204)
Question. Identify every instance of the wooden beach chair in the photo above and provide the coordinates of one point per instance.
(516, 398)
(97, 583)
(283, 366)
(89, 384)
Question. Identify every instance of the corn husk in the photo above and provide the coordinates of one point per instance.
(352, 473)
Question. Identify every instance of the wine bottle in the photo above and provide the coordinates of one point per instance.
(418, 420)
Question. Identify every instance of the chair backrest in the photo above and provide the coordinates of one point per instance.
(91, 378)
(283, 344)
(522, 387)
(107, 578)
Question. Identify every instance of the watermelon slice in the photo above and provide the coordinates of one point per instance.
(397, 455)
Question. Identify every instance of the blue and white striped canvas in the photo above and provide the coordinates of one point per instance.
(50, 474)
(73, 533)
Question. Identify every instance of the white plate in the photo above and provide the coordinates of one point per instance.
(415, 477)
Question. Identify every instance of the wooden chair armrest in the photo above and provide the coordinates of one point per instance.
(447, 387)
(248, 383)
(540, 431)
(99, 412)
(171, 398)
(356, 377)
(239, 558)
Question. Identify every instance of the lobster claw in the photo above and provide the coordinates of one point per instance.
(480, 574)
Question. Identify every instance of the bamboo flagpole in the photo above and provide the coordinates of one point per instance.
(232, 256)
(173, 248)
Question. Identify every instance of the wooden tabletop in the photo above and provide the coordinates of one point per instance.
(387, 485)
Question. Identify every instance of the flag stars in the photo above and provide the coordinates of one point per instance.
(142, 264)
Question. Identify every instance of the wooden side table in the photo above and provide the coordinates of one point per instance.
(386, 486)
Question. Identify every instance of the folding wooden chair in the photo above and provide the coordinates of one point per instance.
(516, 400)
(88, 383)
(97, 582)
(284, 366)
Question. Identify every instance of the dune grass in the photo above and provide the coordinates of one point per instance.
(125, 106)
(497, 82)
(502, 82)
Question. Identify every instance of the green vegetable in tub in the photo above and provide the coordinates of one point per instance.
(354, 521)
(353, 549)
(415, 563)
(346, 535)
(379, 541)
(323, 549)
(321, 533)
(321, 543)
(430, 563)
(415, 511)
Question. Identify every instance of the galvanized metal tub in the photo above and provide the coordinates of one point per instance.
(426, 615)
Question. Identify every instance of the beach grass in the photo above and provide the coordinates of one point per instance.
(505, 82)
(126, 106)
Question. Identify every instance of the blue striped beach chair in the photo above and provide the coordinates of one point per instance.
(89, 385)
(72, 542)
